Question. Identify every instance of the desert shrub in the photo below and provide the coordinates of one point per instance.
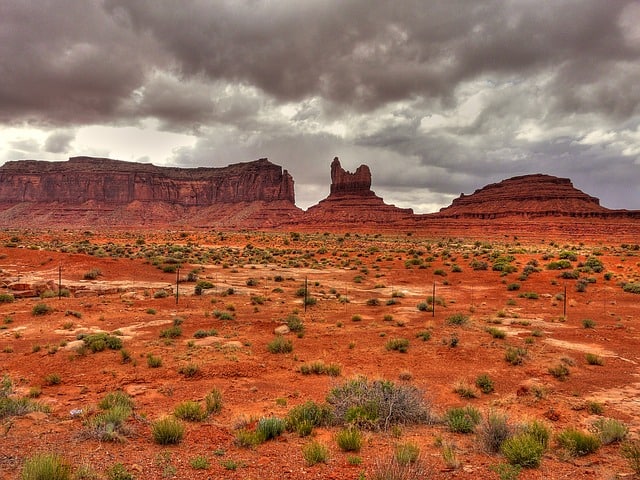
(631, 287)
(484, 383)
(523, 450)
(41, 309)
(424, 307)
(462, 419)
(294, 323)
(559, 265)
(406, 453)
(479, 265)
(205, 333)
(458, 319)
(52, 379)
(97, 342)
(539, 431)
(119, 472)
(373, 302)
(593, 359)
(45, 466)
(153, 361)
(189, 370)
(303, 418)
(167, 431)
(247, 438)
(560, 371)
(190, 411)
(495, 332)
(631, 452)
(513, 287)
(280, 345)
(515, 355)
(270, 427)
(315, 452)
(320, 368)
(594, 264)
(92, 274)
(114, 399)
(199, 463)
(391, 469)
(377, 404)
(398, 344)
(109, 426)
(6, 298)
(578, 443)
(464, 389)
(349, 439)
(172, 332)
(610, 430)
(213, 402)
(493, 431)
(425, 335)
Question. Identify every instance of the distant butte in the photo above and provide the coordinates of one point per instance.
(100, 192)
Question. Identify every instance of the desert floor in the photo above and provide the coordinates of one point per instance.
(363, 292)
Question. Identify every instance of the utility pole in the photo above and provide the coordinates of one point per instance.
(59, 281)
(306, 286)
(433, 304)
(564, 303)
(177, 284)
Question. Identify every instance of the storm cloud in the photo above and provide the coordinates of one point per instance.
(438, 97)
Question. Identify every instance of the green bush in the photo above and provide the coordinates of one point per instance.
(172, 332)
(515, 355)
(458, 319)
(280, 345)
(523, 450)
(190, 411)
(109, 426)
(398, 344)
(631, 287)
(484, 383)
(97, 342)
(303, 418)
(462, 419)
(270, 427)
(406, 453)
(320, 368)
(153, 361)
(6, 298)
(315, 452)
(45, 466)
(189, 370)
(495, 332)
(199, 463)
(349, 439)
(213, 402)
(117, 398)
(119, 472)
(593, 359)
(631, 451)
(560, 371)
(294, 323)
(41, 309)
(539, 431)
(378, 404)
(578, 443)
(494, 430)
(610, 430)
(167, 431)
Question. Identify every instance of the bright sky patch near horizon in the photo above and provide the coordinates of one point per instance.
(438, 97)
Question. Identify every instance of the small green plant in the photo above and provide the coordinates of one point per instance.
(280, 345)
(52, 379)
(523, 450)
(320, 368)
(464, 389)
(406, 453)
(484, 383)
(610, 430)
(247, 438)
(270, 427)
(458, 319)
(630, 450)
(398, 344)
(515, 355)
(593, 359)
(588, 323)
(167, 431)
(118, 472)
(190, 411)
(295, 323)
(494, 430)
(560, 371)
(153, 361)
(92, 274)
(189, 370)
(303, 418)
(315, 452)
(577, 443)
(117, 398)
(425, 335)
(213, 402)
(41, 309)
(462, 419)
(6, 298)
(172, 332)
(506, 471)
(496, 332)
(595, 408)
(199, 463)
(349, 439)
(45, 466)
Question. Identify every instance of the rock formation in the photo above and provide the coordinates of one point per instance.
(352, 204)
(103, 192)
(528, 195)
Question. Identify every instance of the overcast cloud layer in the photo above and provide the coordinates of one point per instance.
(438, 97)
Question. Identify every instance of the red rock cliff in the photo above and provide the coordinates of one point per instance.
(347, 183)
(114, 182)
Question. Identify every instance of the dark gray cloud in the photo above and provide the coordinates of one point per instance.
(439, 97)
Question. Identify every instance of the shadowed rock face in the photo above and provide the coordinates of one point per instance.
(113, 182)
(347, 183)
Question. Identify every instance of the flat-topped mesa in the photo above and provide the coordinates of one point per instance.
(528, 195)
(347, 183)
(115, 182)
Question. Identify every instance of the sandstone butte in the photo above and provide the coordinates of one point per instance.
(99, 192)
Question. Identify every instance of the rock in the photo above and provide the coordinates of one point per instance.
(347, 183)
(281, 330)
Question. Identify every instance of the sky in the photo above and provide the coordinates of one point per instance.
(438, 97)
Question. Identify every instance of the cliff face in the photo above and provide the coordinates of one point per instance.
(352, 204)
(114, 182)
(528, 195)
